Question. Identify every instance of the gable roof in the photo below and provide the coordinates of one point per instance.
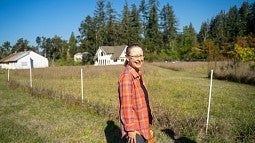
(79, 53)
(114, 50)
(14, 57)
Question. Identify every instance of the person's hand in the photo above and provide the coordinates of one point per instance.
(132, 136)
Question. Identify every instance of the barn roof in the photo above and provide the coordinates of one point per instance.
(14, 57)
(114, 50)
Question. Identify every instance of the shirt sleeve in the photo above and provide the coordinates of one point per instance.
(126, 109)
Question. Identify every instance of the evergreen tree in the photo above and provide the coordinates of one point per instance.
(218, 29)
(87, 30)
(99, 20)
(204, 32)
(193, 34)
(153, 37)
(168, 27)
(135, 26)
(152, 3)
(187, 42)
(5, 49)
(111, 24)
(125, 31)
(43, 46)
(233, 24)
(38, 40)
(72, 45)
(251, 19)
(244, 12)
(143, 11)
(88, 37)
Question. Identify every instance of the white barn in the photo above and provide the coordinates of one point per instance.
(24, 60)
(110, 55)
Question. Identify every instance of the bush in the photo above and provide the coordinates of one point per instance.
(235, 71)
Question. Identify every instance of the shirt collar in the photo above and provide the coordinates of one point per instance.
(134, 72)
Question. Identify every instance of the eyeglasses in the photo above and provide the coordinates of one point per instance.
(137, 56)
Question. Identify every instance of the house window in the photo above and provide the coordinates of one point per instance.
(122, 60)
(115, 60)
(102, 53)
(23, 63)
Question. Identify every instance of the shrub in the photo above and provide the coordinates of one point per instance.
(236, 71)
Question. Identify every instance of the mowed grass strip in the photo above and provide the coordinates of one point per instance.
(24, 118)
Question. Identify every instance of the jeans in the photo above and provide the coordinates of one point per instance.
(139, 139)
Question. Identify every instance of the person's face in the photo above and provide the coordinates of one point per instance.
(136, 57)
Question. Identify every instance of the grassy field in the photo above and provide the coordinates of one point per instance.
(24, 118)
(179, 99)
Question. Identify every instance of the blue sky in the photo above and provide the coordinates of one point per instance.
(28, 19)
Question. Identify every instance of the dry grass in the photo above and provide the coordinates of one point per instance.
(236, 71)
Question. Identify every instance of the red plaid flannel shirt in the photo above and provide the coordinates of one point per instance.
(132, 104)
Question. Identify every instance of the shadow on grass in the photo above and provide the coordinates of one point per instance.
(10, 131)
(112, 133)
(171, 134)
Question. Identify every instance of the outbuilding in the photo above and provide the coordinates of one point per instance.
(78, 56)
(24, 60)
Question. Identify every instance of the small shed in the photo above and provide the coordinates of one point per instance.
(24, 60)
(78, 56)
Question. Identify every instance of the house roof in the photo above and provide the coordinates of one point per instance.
(14, 57)
(114, 50)
(80, 53)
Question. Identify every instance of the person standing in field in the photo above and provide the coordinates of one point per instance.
(134, 106)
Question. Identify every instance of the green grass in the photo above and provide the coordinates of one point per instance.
(24, 118)
(179, 99)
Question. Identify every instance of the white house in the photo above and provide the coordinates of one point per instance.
(24, 60)
(78, 56)
(110, 55)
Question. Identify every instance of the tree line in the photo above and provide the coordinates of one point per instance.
(228, 35)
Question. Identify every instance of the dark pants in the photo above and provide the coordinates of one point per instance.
(139, 139)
